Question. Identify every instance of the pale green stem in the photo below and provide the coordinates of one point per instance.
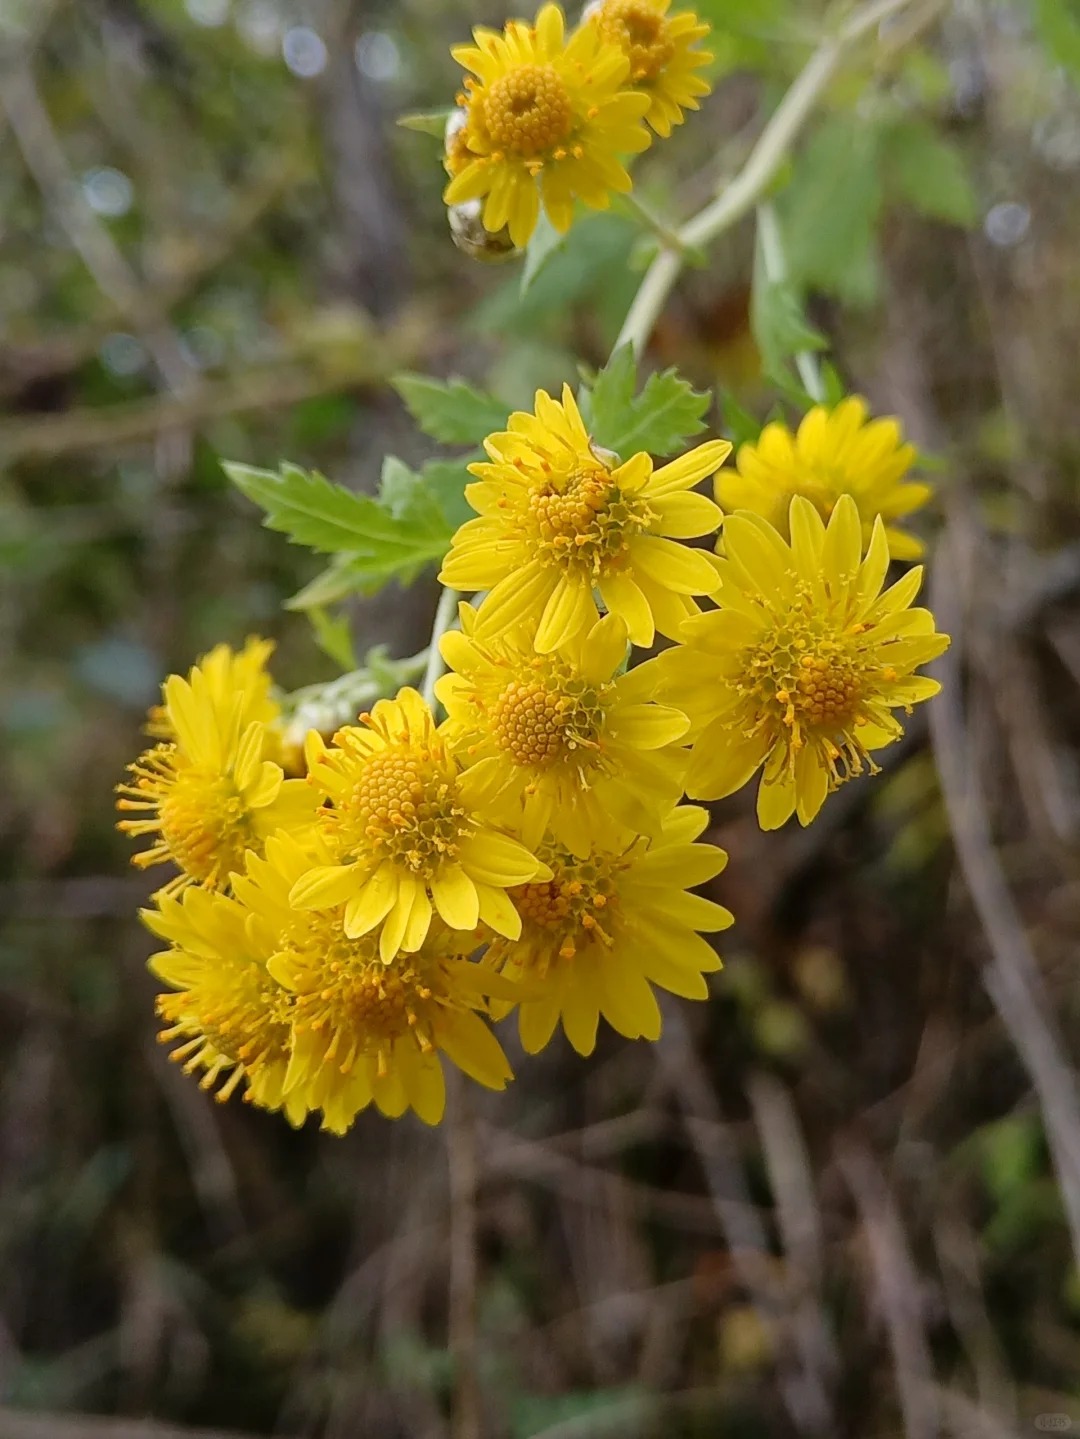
(774, 262)
(668, 237)
(445, 616)
(761, 168)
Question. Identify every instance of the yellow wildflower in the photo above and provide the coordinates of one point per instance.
(835, 452)
(558, 522)
(232, 677)
(562, 741)
(663, 54)
(548, 119)
(404, 833)
(211, 792)
(364, 1031)
(233, 1018)
(606, 928)
(800, 668)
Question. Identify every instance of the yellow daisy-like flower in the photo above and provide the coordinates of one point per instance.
(835, 452)
(558, 522)
(562, 742)
(403, 828)
(548, 119)
(232, 1017)
(364, 1031)
(663, 54)
(212, 792)
(801, 667)
(232, 677)
(606, 928)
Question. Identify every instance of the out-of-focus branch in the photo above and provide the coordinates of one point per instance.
(1011, 975)
(761, 168)
(461, 1149)
(112, 274)
(897, 1286)
(801, 1380)
(16, 1425)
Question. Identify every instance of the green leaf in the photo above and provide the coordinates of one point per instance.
(333, 636)
(393, 537)
(337, 582)
(427, 122)
(313, 512)
(1057, 24)
(736, 421)
(446, 480)
(544, 243)
(659, 420)
(831, 209)
(778, 320)
(930, 173)
(451, 411)
(590, 266)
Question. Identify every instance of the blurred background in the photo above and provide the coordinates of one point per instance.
(842, 1198)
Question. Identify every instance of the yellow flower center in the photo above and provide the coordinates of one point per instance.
(585, 522)
(205, 825)
(237, 1021)
(574, 908)
(809, 675)
(551, 718)
(404, 806)
(362, 1004)
(527, 111)
(642, 35)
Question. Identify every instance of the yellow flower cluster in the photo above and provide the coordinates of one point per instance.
(331, 940)
(546, 119)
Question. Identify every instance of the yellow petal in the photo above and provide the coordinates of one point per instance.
(722, 761)
(326, 886)
(466, 1039)
(372, 904)
(456, 898)
(496, 859)
(623, 598)
(648, 726)
(397, 921)
(497, 911)
(675, 566)
(569, 609)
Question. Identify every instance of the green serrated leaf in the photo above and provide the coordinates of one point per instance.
(446, 480)
(313, 512)
(451, 411)
(778, 320)
(427, 122)
(930, 173)
(394, 537)
(831, 209)
(335, 583)
(544, 243)
(659, 420)
(333, 636)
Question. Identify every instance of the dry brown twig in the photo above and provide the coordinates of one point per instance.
(1011, 975)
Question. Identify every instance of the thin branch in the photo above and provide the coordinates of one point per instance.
(461, 1148)
(898, 1292)
(1011, 976)
(100, 254)
(761, 168)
